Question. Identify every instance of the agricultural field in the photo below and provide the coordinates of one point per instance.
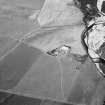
(25, 67)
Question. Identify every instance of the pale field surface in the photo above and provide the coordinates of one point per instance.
(5, 44)
(32, 4)
(48, 78)
(16, 22)
(29, 72)
(62, 24)
(59, 12)
(14, 17)
(53, 38)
